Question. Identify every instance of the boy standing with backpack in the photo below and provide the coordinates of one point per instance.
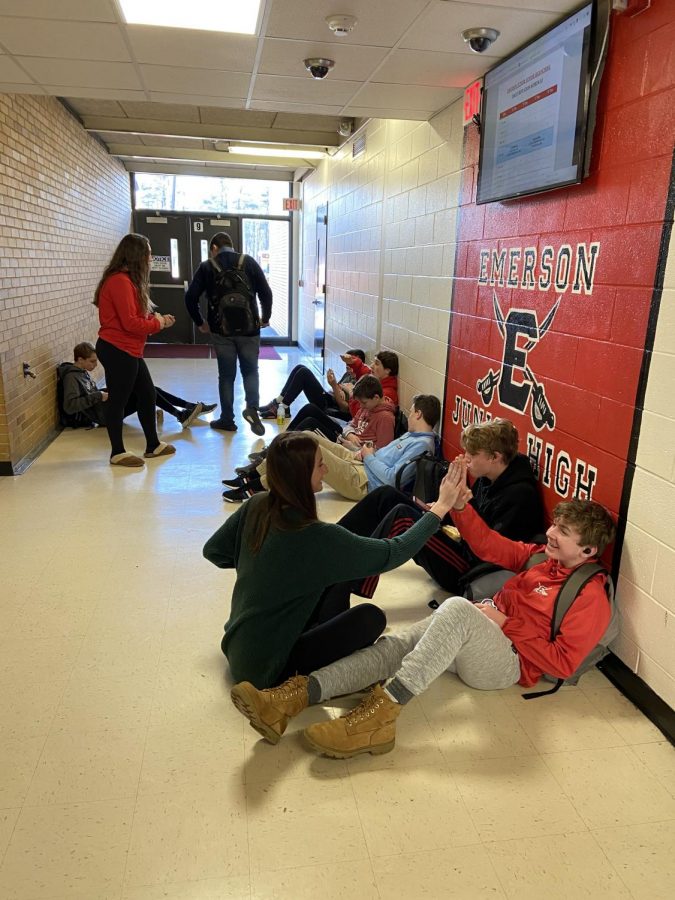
(489, 645)
(231, 281)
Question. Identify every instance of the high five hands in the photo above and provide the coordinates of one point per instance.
(454, 492)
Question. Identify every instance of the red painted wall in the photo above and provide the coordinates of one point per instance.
(576, 380)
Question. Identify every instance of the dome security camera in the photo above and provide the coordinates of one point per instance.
(479, 39)
(319, 68)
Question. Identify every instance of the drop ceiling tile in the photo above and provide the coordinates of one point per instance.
(441, 28)
(196, 99)
(10, 72)
(9, 87)
(294, 122)
(153, 140)
(66, 40)
(102, 93)
(180, 47)
(95, 107)
(288, 106)
(380, 22)
(211, 115)
(74, 73)
(352, 63)
(303, 90)
(166, 112)
(430, 68)
(196, 81)
(559, 6)
(88, 10)
(399, 96)
(371, 112)
(114, 137)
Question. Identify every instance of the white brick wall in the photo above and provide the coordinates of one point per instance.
(646, 590)
(391, 246)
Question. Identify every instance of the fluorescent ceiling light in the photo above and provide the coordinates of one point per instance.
(232, 16)
(298, 153)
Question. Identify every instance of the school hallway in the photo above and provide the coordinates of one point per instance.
(127, 774)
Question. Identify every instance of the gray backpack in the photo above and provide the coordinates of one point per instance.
(488, 585)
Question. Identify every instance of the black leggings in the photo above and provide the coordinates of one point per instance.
(168, 402)
(301, 379)
(126, 375)
(333, 632)
(312, 417)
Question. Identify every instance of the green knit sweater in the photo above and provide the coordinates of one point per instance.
(278, 588)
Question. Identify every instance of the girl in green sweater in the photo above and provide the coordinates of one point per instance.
(290, 609)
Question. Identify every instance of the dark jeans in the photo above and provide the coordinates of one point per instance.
(228, 351)
(333, 632)
(311, 417)
(125, 376)
(386, 513)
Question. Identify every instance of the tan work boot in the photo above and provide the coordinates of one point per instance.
(370, 728)
(268, 711)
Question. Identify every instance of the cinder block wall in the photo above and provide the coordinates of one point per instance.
(64, 205)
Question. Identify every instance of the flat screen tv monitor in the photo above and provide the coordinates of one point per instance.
(535, 113)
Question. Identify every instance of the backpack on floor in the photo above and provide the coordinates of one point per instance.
(69, 420)
(568, 593)
(233, 304)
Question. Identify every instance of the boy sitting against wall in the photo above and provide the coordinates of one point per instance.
(82, 402)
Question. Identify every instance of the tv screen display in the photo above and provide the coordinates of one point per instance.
(535, 107)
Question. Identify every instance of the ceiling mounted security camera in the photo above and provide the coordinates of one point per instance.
(341, 25)
(319, 68)
(345, 127)
(479, 39)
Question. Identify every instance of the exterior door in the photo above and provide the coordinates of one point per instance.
(319, 300)
(201, 229)
(168, 238)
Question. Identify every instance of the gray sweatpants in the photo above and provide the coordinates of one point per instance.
(457, 638)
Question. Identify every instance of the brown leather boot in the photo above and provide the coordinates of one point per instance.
(268, 711)
(370, 728)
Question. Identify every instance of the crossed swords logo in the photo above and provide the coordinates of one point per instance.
(542, 414)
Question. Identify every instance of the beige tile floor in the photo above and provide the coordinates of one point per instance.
(126, 774)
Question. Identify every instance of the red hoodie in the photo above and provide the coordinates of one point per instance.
(528, 598)
(376, 425)
(389, 386)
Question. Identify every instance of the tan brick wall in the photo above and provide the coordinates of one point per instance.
(64, 205)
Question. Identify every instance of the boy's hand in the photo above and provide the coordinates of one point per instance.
(488, 609)
(104, 396)
(366, 451)
(353, 439)
(332, 380)
(348, 359)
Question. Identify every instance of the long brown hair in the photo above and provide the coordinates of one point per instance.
(290, 463)
(133, 257)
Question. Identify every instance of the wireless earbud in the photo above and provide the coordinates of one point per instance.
(588, 550)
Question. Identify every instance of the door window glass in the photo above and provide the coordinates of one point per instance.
(267, 241)
(198, 193)
(175, 267)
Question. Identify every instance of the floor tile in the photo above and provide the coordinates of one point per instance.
(317, 815)
(77, 850)
(18, 761)
(189, 834)
(611, 787)
(8, 819)
(403, 811)
(566, 721)
(644, 857)
(516, 797)
(558, 867)
(82, 766)
(104, 704)
(204, 889)
(351, 880)
(463, 874)
(659, 758)
(625, 718)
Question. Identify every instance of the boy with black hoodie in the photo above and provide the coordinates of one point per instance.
(505, 496)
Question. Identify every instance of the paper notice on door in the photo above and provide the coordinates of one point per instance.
(161, 264)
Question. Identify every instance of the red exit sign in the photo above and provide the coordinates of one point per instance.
(472, 96)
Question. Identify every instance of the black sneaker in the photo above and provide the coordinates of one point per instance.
(258, 455)
(236, 482)
(236, 496)
(187, 416)
(251, 416)
(208, 407)
(250, 469)
(219, 425)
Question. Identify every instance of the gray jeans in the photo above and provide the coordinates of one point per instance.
(457, 638)
(228, 351)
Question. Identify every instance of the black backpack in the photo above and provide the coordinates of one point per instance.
(232, 303)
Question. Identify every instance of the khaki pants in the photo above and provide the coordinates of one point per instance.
(345, 475)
